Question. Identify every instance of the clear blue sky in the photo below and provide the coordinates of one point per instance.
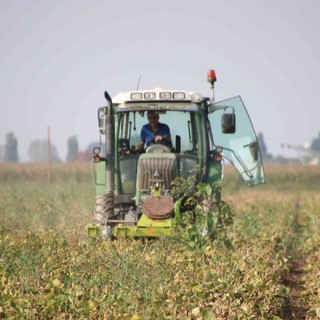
(58, 57)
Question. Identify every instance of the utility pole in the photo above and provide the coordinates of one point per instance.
(49, 156)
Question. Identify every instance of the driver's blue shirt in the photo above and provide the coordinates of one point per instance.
(148, 136)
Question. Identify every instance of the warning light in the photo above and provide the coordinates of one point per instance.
(218, 151)
(96, 158)
(211, 76)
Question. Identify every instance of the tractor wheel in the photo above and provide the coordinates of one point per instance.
(104, 208)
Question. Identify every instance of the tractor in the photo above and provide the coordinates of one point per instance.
(133, 189)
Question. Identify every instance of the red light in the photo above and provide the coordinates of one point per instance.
(96, 158)
(218, 151)
(211, 76)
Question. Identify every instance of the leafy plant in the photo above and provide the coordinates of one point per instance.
(199, 213)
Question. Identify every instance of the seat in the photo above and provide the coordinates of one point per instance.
(155, 166)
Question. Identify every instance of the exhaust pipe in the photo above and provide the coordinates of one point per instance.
(109, 155)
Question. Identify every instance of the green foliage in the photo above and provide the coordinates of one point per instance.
(200, 215)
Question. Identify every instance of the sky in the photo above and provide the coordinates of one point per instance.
(58, 57)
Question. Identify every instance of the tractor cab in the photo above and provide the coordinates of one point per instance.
(134, 188)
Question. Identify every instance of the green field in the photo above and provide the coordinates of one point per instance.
(50, 270)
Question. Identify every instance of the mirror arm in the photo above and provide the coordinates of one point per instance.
(216, 108)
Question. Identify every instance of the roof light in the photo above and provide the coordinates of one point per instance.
(165, 95)
(136, 96)
(178, 95)
(149, 95)
(219, 149)
(96, 150)
(211, 76)
(196, 97)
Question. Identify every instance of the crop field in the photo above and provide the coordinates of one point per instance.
(49, 269)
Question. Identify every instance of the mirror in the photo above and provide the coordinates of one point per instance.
(228, 123)
(101, 119)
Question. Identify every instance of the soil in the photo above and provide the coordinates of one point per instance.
(294, 307)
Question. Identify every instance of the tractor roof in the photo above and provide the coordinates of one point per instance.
(157, 95)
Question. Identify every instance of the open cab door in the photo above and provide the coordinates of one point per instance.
(232, 129)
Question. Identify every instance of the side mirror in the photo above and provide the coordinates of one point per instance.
(101, 119)
(228, 123)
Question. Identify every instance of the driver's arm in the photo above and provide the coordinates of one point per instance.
(139, 147)
(163, 138)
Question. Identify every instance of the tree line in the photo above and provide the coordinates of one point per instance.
(41, 149)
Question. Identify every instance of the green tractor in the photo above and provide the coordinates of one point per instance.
(134, 189)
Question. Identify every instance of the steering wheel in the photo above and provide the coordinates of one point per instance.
(157, 148)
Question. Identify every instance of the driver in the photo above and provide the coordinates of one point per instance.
(153, 132)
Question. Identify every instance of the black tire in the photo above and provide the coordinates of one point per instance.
(104, 208)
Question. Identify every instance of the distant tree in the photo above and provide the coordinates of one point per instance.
(73, 148)
(315, 143)
(262, 145)
(1, 153)
(38, 151)
(11, 148)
